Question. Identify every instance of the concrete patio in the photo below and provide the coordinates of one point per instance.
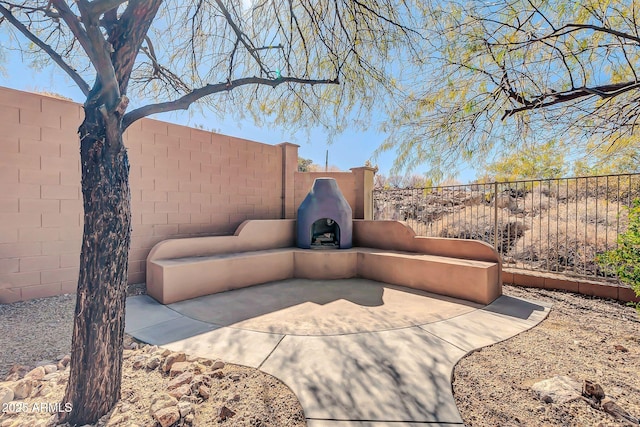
(355, 352)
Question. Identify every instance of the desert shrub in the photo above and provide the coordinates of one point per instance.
(625, 259)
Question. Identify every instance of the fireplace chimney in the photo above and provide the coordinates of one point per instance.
(324, 218)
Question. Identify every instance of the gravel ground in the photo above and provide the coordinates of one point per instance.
(584, 338)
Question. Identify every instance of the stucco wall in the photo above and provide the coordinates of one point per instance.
(183, 182)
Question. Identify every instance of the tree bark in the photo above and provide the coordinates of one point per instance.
(97, 347)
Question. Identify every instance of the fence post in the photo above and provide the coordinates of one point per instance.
(495, 215)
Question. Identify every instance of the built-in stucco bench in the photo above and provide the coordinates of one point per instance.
(262, 251)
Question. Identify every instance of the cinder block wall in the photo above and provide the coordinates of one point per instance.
(183, 182)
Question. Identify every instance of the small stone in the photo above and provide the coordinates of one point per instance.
(204, 391)
(235, 377)
(49, 369)
(162, 401)
(218, 364)
(43, 391)
(37, 373)
(184, 378)
(171, 359)
(139, 361)
(179, 368)
(6, 395)
(22, 389)
(153, 362)
(12, 377)
(184, 408)
(165, 352)
(189, 419)
(559, 389)
(183, 390)
(591, 389)
(64, 362)
(218, 373)
(51, 377)
(117, 420)
(235, 398)
(621, 348)
(125, 408)
(225, 413)
(151, 349)
(167, 416)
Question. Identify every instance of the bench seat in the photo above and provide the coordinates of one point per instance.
(189, 277)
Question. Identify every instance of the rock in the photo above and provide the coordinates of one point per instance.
(118, 420)
(185, 408)
(591, 389)
(218, 364)
(179, 368)
(235, 377)
(183, 390)
(64, 362)
(171, 359)
(615, 410)
(559, 389)
(49, 369)
(22, 389)
(225, 413)
(153, 362)
(162, 401)
(219, 373)
(37, 373)
(164, 352)
(139, 361)
(184, 378)
(151, 349)
(621, 348)
(51, 377)
(6, 395)
(16, 372)
(167, 416)
(189, 419)
(204, 391)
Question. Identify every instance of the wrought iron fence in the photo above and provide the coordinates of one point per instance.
(552, 225)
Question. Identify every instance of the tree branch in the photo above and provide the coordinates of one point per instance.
(127, 38)
(84, 87)
(184, 102)
(97, 8)
(604, 91)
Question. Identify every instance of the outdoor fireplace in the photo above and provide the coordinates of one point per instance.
(324, 218)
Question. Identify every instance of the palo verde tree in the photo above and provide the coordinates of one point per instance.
(304, 63)
(501, 73)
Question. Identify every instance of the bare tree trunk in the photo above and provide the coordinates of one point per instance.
(96, 358)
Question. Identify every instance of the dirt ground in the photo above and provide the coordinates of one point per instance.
(584, 338)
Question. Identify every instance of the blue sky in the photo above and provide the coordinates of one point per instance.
(350, 149)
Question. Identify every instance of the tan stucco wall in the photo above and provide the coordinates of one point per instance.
(184, 182)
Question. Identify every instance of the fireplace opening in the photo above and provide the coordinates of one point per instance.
(325, 234)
